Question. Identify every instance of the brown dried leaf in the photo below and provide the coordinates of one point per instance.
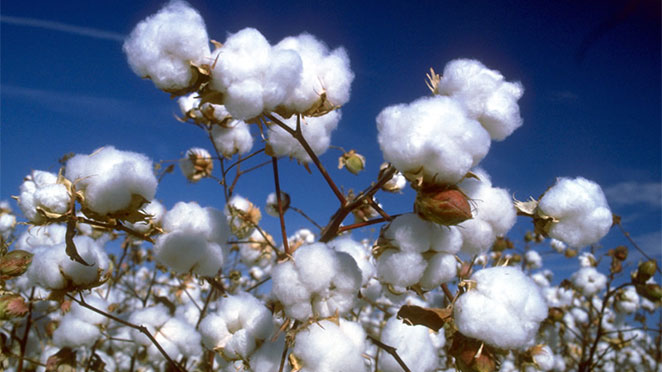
(432, 318)
(70, 249)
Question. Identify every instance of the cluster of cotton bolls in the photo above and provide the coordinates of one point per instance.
(443, 137)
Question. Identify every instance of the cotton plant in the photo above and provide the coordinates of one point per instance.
(439, 286)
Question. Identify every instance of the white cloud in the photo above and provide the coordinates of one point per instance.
(62, 99)
(631, 193)
(62, 27)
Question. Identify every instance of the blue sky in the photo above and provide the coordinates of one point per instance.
(591, 106)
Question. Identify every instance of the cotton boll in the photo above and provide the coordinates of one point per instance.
(413, 344)
(41, 190)
(581, 210)
(325, 347)
(588, 281)
(267, 357)
(432, 136)
(74, 333)
(41, 236)
(359, 253)
(442, 268)
(409, 233)
(316, 131)
(627, 301)
(446, 238)
(323, 71)
(504, 310)
(232, 138)
(207, 222)
(162, 46)
(533, 259)
(155, 210)
(493, 213)
(319, 281)
(150, 317)
(7, 224)
(252, 76)
(485, 95)
(113, 181)
(402, 269)
(178, 338)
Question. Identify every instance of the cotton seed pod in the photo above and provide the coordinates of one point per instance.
(442, 204)
(14, 263)
(11, 306)
(645, 271)
(197, 164)
(652, 291)
(555, 314)
(619, 253)
(353, 161)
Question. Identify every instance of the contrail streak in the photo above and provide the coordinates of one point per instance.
(62, 27)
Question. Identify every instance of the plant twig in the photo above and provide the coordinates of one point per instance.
(281, 217)
(24, 340)
(391, 350)
(140, 328)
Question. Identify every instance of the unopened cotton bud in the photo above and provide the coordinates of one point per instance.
(353, 161)
(14, 263)
(12, 305)
(645, 271)
(397, 181)
(442, 204)
(651, 291)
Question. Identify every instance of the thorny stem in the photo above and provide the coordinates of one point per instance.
(24, 340)
(298, 135)
(391, 350)
(140, 328)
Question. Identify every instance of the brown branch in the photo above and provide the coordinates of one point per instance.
(24, 340)
(391, 350)
(306, 217)
(298, 135)
(281, 217)
(332, 229)
(140, 328)
(365, 223)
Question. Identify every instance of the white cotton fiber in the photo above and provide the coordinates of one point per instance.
(51, 268)
(413, 344)
(112, 180)
(319, 281)
(325, 346)
(316, 131)
(232, 138)
(442, 268)
(40, 190)
(359, 252)
(194, 240)
(401, 269)
(323, 71)
(493, 213)
(504, 309)
(433, 136)
(253, 77)
(240, 322)
(73, 332)
(581, 210)
(589, 281)
(485, 95)
(178, 338)
(163, 46)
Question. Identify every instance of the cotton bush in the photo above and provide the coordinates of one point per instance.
(113, 277)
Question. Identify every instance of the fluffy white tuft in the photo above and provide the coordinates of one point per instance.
(162, 46)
